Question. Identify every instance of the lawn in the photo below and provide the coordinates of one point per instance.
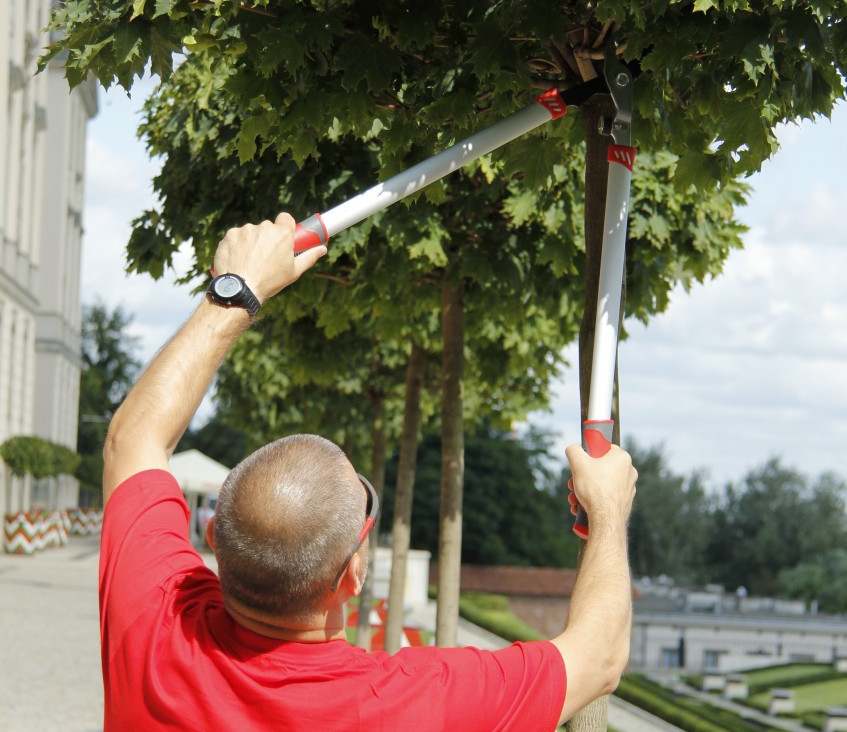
(780, 675)
(811, 697)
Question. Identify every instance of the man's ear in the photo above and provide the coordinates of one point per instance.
(210, 532)
(354, 575)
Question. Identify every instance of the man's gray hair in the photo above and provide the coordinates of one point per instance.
(286, 519)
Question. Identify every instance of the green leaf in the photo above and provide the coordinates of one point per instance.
(251, 128)
(161, 50)
(365, 61)
(137, 8)
(127, 42)
(532, 157)
(696, 168)
(521, 207)
(164, 7)
(491, 50)
(704, 5)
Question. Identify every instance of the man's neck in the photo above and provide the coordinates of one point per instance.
(319, 628)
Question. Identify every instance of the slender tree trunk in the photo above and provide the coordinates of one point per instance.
(377, 478)
(452, 463)
(401, 528)
(594, 717)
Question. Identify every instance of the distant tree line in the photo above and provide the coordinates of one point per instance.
(774, 532)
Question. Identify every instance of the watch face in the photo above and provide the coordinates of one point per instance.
(227, 287)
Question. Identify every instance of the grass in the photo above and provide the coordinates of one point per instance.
(492, 613)
(788, 674)
(810, 697)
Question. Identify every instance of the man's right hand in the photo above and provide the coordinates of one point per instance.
(605, 486)
(263, 255)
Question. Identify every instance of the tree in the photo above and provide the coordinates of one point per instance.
(109, 368)
(775, 520)
(218, 439)
(670, 524)
(819, 580)
(513, 514)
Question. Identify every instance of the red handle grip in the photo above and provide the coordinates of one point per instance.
(310, 233)
(597, 441)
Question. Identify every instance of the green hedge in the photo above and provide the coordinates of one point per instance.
(685, 712)
(38, 457)
(492, 613)
(787, 680)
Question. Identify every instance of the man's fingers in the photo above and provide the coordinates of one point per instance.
(285, 220)
(307, 258)
(576, 455)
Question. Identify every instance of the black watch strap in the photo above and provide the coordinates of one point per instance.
(230, 290)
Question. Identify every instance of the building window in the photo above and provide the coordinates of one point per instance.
(711, 659)
(670, 658)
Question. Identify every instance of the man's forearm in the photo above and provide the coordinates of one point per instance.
(600, 609)
(157, 411)
(595, 643)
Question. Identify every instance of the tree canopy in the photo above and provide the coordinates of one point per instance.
(718, 74)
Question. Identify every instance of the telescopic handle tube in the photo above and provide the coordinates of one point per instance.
(606, 325)
(317, 229)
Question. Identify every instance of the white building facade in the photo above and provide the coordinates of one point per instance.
(42, 165)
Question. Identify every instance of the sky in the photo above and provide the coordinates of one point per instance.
(748, 366)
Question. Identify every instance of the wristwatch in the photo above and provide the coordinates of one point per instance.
(230, 289)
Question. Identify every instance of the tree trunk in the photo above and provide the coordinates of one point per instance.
(593, 717)
(402, 523)
(377, 478)
(452, 463)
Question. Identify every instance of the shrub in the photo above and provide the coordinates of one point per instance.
(492, 613)
(38, 457)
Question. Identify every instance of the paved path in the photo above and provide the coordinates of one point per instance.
(50, 640)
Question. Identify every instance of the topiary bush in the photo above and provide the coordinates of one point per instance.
(40, 458)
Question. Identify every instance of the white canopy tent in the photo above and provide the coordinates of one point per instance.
(201, 479)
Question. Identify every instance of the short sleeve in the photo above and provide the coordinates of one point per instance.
(143, 548)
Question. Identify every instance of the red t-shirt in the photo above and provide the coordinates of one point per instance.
(174, 659)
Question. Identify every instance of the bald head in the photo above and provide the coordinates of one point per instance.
(287, 517)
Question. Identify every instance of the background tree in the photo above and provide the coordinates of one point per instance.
(514, 514)
(820, 580)
(109, 368)
(218, 438)
(670, 523)
(774, 520)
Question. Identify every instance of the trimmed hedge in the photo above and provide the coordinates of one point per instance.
(492, 613)
(826, 673)
(688, 713)
(38, 457)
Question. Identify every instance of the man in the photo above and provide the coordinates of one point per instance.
(264, 648)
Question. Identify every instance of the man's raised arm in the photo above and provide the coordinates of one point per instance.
(148, 425)
(595, 643)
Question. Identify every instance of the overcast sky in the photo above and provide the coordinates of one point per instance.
(748, 366)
